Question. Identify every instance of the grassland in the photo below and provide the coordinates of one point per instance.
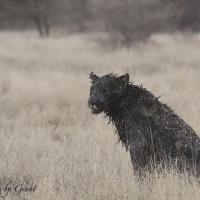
(48, 137)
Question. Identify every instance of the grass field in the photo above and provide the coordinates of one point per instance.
(48, 137)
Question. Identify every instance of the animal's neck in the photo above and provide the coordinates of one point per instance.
(118, 110)
(125, 114)
(118, 116)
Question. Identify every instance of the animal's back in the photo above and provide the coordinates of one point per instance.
(155, 131)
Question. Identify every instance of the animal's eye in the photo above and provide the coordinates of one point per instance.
(104, 91)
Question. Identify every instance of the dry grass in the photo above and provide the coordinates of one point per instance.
(50, 139)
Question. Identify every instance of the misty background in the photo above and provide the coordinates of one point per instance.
(124, 22)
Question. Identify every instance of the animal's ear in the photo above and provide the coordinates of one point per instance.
(93, 77)
(123, 81)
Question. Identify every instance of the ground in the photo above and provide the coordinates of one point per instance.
(49, 138)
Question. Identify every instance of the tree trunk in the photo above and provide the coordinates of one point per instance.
(46, 26)
(38, 24)
(127, 38)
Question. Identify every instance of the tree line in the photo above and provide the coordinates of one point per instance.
(126, 21)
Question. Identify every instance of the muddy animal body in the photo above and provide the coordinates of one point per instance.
(152, 132)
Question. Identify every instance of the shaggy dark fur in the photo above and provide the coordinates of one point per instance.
(149, 129)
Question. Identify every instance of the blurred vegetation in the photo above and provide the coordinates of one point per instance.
(126, 21)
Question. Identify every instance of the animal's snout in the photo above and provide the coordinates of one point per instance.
(92, 101)
(93, 104)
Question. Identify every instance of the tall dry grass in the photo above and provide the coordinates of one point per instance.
(48, 137)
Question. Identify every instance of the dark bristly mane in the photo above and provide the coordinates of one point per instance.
(149, 129)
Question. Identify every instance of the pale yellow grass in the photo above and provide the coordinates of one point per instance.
(49, 138)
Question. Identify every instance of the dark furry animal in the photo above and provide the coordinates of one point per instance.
(149, 129)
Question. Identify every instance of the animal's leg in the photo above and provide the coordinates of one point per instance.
(138, 157)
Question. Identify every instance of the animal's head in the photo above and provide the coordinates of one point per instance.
(105, 91)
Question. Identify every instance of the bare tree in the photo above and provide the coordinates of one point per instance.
(74, 14)
(37, 11)
(132, 20)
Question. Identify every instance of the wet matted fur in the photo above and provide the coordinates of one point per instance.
(149, 129)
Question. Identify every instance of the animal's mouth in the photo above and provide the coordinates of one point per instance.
(95, 109)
